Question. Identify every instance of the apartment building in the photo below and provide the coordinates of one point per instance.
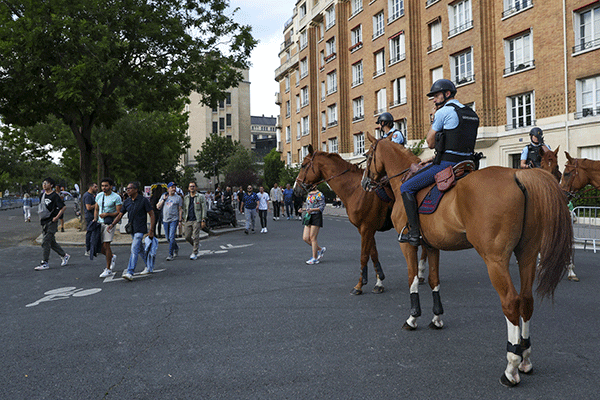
(230, 118)
(518, 63)
(264, 134)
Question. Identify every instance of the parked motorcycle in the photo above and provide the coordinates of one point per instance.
(220, 215)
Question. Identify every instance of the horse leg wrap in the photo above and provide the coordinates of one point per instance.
(365, 275)
(379, 271)
(437, 304)
(415, 305)
(525, 344)
(514, 348)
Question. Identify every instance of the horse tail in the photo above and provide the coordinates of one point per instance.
(547, 215)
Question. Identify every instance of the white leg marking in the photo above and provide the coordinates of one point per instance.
(414, 287)
(512, 371)
(379, 282)
(437, 321)
(421, 269)
(436, 289)
(412, 321)
(525, 365)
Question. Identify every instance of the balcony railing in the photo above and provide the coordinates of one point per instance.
(329, 57)
(278, 98)
(379, 72)
(435, 46)
(398, 102)
(357, 82)
(519, 6)
(378, 34)
(332, 90)
(430, 2)
(356, 12)
(332, 123)
(586, 45)
(395, 16)
(519, 67)
(587, 112)
(358, 117)
(380, 110)
(459, 29)
(397, 58)
(521, 124)
(355, 46)
(464, 79)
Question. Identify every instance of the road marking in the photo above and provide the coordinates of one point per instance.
(63, 294)
(113, 278)
(230, 246)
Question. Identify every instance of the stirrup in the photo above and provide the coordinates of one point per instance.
(408, 238)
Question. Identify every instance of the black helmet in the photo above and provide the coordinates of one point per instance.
(441, 85)
(385, 119)
(538, 133)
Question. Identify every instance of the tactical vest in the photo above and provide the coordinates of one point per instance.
(460, 139)
(534, 156)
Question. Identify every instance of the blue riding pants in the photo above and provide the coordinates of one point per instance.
(424, 177)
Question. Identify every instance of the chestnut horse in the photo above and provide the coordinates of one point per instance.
(366, 211)
(580, 172)
(498, 211)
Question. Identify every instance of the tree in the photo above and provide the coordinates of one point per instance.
(272, 168)
(212, 158)
(288, 175)
(85, 62)
(241, 168)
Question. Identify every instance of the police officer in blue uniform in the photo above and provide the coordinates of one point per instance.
(386, 122)
(453, 134)
(531, 156)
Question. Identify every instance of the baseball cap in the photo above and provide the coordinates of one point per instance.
(171, 184)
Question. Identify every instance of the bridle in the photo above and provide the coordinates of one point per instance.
(367, 182)
(305, 186)
(571, 194)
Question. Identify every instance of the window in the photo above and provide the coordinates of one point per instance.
(322, 57)
(228, 99)
(397, 51)
(378, 25)
(298, 130)
(379, 63)
(304, 96)
(399, 91)
(228, 119)
(303, 39)
(514, 6)
(297, 72)
(330, 49)
(591, 152)
(356, 38)
(287, 83)
(520, 111)
(357, 73)
(298, 103)
(333, 145)
(215, 110)
(460, 17)
(305, 126)
(380, 95)
(332, 82)
(587, 29)
(221, 103)
(332, 115)
(401, 126)
(302, 10)
(462, 67)
(303, 67)
(321, 31)
(396, 8)
(221, 124)
(323, 91)
(358, 109)
(288, 158)
(588, 97)
(215, 127)
(304, 152)
(518, 53)
(324, 146)
(288, 109)
(435, 35)
(359, 144)
(437, 73)
(288, 134)
(355, 7)
(329, 17)
(323, 120)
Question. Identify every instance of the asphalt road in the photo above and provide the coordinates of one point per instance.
(250, 320)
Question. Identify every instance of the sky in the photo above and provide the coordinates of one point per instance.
(266, 18)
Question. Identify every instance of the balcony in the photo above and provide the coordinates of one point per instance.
(285, 67)
(287, 43)
(586, 45)
(278, 98)
(467, 25)
(519, 67)
(519, 6)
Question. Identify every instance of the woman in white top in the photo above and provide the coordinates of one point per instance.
(263, 208)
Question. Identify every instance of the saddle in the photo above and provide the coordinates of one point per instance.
(431, 196)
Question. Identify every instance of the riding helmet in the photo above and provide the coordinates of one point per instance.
(385, 119)
(538, 133)
(442, 85)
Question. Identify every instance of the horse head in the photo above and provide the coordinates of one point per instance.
(308, 175)
(373, 172)
(574, 178)
(550, 162)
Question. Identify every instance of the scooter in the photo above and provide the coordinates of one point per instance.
(220, 215)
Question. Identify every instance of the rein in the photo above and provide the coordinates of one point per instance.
(310, 164)
(372, 184)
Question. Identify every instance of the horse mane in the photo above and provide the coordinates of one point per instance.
(336, 157)
(405, 152)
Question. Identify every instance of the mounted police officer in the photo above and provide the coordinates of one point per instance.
(531, 156)
(453, 134)
(386, 122)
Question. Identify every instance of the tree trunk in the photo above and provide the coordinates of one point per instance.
(83, 136)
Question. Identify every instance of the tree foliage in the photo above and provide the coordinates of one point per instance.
(87, 61)
(288, 175)
(272, 168)
(212, 158)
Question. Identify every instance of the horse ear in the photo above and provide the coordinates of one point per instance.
(569, 158)
(371, 137)
(556, 151)
(310, 149)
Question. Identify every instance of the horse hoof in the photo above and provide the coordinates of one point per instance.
(504, 381)
(421, 281)
(356, 292)
(526, 372)
(378, 289)
(434, 326)
(574, 278)
(407, 327)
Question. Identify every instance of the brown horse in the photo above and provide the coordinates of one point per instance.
(365, 210)
(580, 172)
(498, 211)
(550, 162)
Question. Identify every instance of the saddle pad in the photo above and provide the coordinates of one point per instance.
(431, 201)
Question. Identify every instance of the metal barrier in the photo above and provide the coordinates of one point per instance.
(586, 225)
(15, 202)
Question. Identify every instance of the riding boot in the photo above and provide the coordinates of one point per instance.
(410, 205)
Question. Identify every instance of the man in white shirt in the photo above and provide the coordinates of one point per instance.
(277, 200)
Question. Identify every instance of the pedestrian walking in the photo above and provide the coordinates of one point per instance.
(194, 217)
(250, 206)
(137, 207)
(288, 200)
(50, 209)
(89, 204)
(313, 222)
(108, 206)
(240, 196)
(263, 208)
(58, 190)
(27, 204)
(171, 205)
(276, 195)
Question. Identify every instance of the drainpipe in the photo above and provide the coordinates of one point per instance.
(564, 9)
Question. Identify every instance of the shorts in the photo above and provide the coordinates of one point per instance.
(316, 219)
(107, 236)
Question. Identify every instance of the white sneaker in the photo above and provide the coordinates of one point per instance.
(106, 272)
(169, 258)
(193, 256)
(43, 265)
(146, 271)
(266, 230)
(312, 261)
(321, 252)
(65, 260)
(175, 253)
(127, 276)
(113, 261)
(87, 253)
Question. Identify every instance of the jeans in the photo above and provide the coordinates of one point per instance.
(137, 248)
(170, 231)
(289, 209)
(250, 217)
(424, 177)
(263, 218)
(49, 241)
